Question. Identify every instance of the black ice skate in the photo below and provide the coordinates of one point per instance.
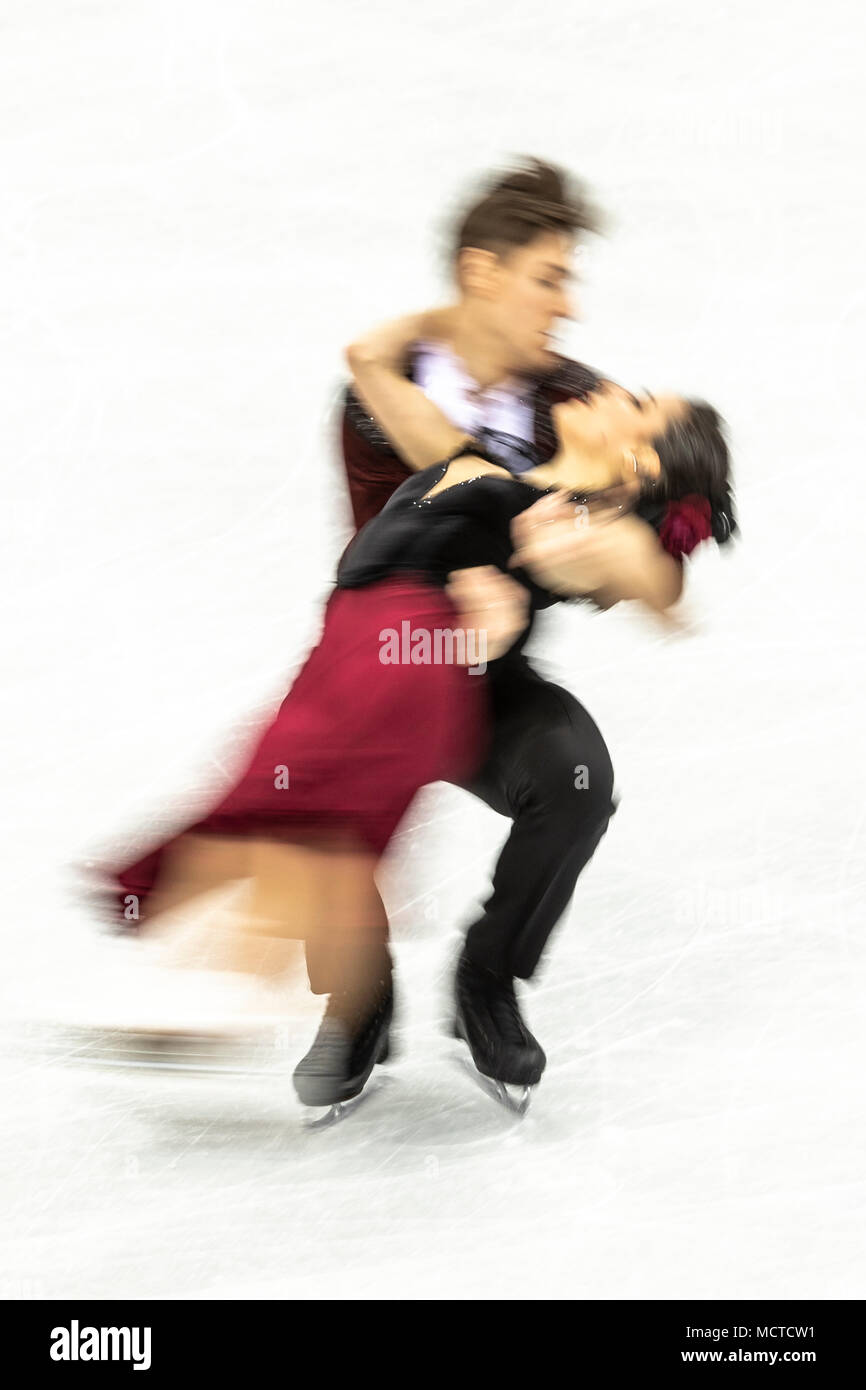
(349, 1043)
(502, 1047)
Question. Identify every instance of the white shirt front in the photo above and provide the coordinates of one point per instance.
(506, 407)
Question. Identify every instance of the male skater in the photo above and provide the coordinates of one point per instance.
(493, 372)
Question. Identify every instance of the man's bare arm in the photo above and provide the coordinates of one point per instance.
(417, 428)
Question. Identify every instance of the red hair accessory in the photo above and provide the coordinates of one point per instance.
(686, 524)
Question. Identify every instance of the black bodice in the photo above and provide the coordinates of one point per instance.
(466, 524)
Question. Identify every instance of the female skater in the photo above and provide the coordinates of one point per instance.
(374, 714)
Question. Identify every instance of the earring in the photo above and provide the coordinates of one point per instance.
(634, 462)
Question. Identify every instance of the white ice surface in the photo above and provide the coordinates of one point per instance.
(203, 202)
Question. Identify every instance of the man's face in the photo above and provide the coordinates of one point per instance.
(529, 289)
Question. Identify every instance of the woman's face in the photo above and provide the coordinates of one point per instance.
(613, 421)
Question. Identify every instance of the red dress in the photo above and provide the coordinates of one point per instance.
(359, 733)
(355, 738)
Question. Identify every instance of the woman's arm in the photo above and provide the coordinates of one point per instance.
(417, 428)
(637, 567)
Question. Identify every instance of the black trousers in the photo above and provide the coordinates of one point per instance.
(548, 768)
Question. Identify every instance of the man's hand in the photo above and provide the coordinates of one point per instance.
(603, 555)
(493, 606)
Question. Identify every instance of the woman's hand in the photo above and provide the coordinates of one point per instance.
(420, 432)
(492, 607)
(605, 555)
(387, 344)
(563, 549)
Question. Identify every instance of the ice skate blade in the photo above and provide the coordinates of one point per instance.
(516, 1105)
(336, 1113)
(519, 1104)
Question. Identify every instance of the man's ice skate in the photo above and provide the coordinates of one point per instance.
(351, 1040)
(504, 1052)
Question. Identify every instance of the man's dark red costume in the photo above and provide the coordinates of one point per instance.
(374, 469)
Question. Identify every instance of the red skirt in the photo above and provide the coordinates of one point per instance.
(358, 734)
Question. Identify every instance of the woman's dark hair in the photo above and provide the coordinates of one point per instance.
(521, 204)
(694, 458)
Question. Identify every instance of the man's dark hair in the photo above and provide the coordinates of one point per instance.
(694, 458)
(521, 204)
